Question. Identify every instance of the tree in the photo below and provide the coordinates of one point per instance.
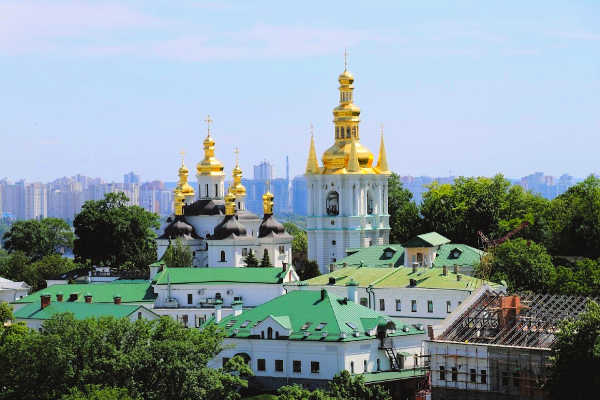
(98, 392)
(113, 234)
(576, 356)
(581, 278)
(346, 386)
(311, 270)
(14, 265)
(38, 239)
(251, 260)
(157, 359)
(36, 273)
(524, 265)
(405, 221)
(5, 313)
(266, 261)
(297, 392)
(575, 220)
(178, 256)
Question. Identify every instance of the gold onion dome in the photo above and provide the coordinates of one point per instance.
(183, 185)
(268, 202)
(209, 165)
(237, 188)
(229, 203)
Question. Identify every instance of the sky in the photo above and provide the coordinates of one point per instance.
(102, 88)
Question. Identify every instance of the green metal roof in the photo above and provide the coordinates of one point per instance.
(457, 254)
(375, 256)
(430, 239)
(79, 310)
(426, 278)
(305, 311)
(137, 292)
(387, 376)
(219, 275)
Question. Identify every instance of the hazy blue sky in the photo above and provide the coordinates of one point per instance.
(105, 87)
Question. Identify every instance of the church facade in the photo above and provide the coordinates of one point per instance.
(216, 226)
(347, 194)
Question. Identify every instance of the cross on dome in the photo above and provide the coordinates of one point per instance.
(208, 121)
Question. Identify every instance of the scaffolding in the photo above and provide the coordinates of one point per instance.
(499, 348)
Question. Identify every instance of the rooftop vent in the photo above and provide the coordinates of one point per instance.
(332, 280)
(413, 282)
(324, 334)
(406, 328)
(343, 335)
(356, 334)
(306, 333)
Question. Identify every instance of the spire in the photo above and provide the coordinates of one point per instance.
(312, 164)
(382, 164)
(345, 59)
(353, 165)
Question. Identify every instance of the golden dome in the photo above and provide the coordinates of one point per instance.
(335, 158)
(268, 202)
(237, 188)
(183, 186)
(178, 200)
(229, 203)
(209, 165)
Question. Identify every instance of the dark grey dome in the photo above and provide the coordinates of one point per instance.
(205, 207)
(179, 229)
(229, 226)
(270, 225)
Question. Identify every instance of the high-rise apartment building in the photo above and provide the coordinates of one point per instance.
(263, 171)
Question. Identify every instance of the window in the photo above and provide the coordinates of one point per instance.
(262, 334)
(261, 364)
(442, 373)
(516, 379)
(207, 190)
(352, 367)
(140, 315)
(190, 298)
(378, 364)
(483, 376)
(353, 128)
(314, 367)
(398, 305)
(216, 190)
(473, 375)
(332, 222)
(413, 305)
(276, 334)
(369, 203)
(222, 256)
(364, 302)
(270, 333)
(266, 253)
(381, 304)
(420, 258)
(430, 306)
(448, 307)
(332, 203)
(244, 252)
(225, 360)
(281, 249)
(337, 132)
(279, 365)
(185, 320)
(454, 374)
(347, 132)
(364, 365)
(505, 379)
(333, 242)
(297, 366)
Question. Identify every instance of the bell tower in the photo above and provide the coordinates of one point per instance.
(209, 171)
(347, 196)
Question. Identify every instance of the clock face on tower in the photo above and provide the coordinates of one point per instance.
(332, 203)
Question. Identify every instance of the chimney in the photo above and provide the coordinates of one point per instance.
(430, 332)
(73, 296)
(59, 296)
(445, 270)
(415, 266)
(458, 277)
(218, 311)
(332, 280)
(455, 269)
(323, 294)
(88, 297)
(117, 299)
(510, 307)
(45, 300)
(413, 283)
(237, 307)
(352, 292)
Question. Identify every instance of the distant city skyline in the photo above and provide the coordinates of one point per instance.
(475, 88)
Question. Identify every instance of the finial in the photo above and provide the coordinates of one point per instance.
(312, 130)
(345, 59)
(208, 121)
(237, 155)
(381, 127)
(268, 185)
(182, 152)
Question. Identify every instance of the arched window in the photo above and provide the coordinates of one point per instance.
(222, 256)
(364, 365)
(370, 203)
(352, 367)
(270, 333)
(276, 334)
(262, 334)
(378, 364)
(266, 253)
(333, 203)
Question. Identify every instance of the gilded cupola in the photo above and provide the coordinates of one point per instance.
(209, 165)
(268, 202)
(346, 119)
(183, 185)
(230, 203)
(237, 188)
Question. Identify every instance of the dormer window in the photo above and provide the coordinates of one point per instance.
(306, 326)
(321, 326)
(455, 253)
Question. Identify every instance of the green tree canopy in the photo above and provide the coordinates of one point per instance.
(576, 356)
(524, 265)
(36, 273)
(98, 392)
(38, 239)
(405, 221)
(266, 261)
(310, 270)
(5, 312)
(157, 359)
(343, 387)
(575, 220)
(177, 255)
(111, 233)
